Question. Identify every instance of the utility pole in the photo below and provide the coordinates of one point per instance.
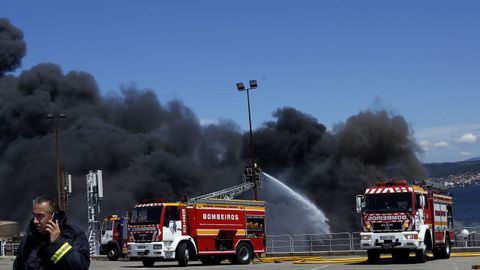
(241, 87)
(56, 117)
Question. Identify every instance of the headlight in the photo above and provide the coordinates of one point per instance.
(366, 237)
(157, 246)
(411, 236)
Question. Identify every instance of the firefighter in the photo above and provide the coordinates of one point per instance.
(50, 242)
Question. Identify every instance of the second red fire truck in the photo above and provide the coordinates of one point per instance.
(399, 218)
(211, 228)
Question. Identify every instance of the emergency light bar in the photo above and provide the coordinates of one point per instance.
(392, 183)
(153, 201)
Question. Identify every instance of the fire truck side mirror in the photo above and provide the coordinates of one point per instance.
(422, 201)
(360, 203)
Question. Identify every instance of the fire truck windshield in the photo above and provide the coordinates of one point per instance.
(146, 215)
(388, 202)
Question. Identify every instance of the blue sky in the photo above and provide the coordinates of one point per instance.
(329, 59)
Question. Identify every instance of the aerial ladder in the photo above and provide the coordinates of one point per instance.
(250, 176)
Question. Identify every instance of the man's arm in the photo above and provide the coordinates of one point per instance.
(72, 254)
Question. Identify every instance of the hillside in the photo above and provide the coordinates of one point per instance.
(449, 168)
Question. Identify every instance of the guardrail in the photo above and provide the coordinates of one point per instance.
(9, 247)
(309, 243)
(321, 242)
(346, 241)
(467, 237)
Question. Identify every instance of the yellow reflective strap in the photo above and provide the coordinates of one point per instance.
(60, 252)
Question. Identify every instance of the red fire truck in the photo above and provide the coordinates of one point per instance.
(211, 230)
(212, 227)
(399, 218)
(113, 242)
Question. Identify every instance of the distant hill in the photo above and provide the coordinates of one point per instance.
(449, 168)
(473, 159)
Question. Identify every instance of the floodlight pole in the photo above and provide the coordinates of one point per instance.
(56, 117)
(252, 153)
(241, 87)
(59, 187)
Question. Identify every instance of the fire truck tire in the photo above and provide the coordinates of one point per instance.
(400, 256)
(421, 255)
(183, 254)
(148, 263)
(243, 254)
(211, 260)
(447, 249)
(444, 252)
(112, 253)
(373, 256)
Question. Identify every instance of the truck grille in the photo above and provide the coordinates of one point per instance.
(143, 237)
(387, 226)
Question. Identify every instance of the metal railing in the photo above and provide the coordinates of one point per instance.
(467, 237)
(321, 242)
(309, 243)
(280, 243)
(356, 241)
(346, 241)
(9, 247)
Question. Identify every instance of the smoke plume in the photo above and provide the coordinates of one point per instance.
(149, 149)
(332, 167)
(12, 46)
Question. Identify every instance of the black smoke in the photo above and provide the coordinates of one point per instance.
(149, 149)
(332, 167)
(12, 47)
(146, 149)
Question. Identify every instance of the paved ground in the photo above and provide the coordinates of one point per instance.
(456, 263)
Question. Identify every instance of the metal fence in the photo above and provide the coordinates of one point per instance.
(345, 241)
(321, 242)
(9, 247)
(467, 237)
(309, 243)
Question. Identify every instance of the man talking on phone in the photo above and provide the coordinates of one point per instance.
(50, 242)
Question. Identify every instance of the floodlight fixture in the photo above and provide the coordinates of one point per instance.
(240, 86)
(253, 84)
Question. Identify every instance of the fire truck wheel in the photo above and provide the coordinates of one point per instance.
(421, 255)
(373, 256)
(112, 253)
(400, 256)
(446, 250)
(183, 254)
(211, 260)
(243, 254)
(148, 263)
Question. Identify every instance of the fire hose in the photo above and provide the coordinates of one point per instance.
(330, 260)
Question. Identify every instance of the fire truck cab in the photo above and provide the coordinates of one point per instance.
(210, 230)
(399, 218)
(113, 241)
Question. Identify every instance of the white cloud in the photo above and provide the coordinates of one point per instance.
(437, 133)
(425, 145)
(469, 138)
(448, 143)
(441, 144)
(206, 122)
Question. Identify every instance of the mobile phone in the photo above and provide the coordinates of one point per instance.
(54, 217)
